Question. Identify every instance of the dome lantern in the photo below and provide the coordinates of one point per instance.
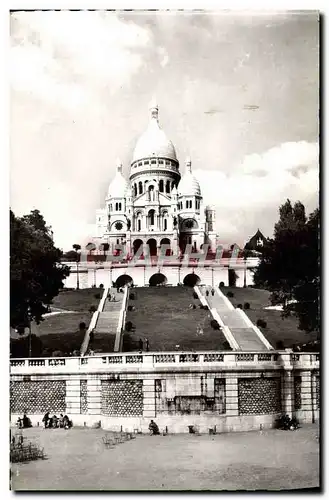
(189, 185)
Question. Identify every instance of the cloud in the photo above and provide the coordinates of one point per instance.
(249, 197)
(60, 56)
(164, 57)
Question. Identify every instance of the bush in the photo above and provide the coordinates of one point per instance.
(92, 309)
(239, 306)
(194, 306)
(214, 324)
(97, 296)
(130, 308)
(230, 294)
(132, 296)
(195, 295)
(206, 308)
(226, 346)
(261, 323)
(101, 285)
(128, 326)
(246, 305)
(82, 325)
(221, 284)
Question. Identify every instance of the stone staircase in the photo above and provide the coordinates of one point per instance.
(241, 328)
(108, 318)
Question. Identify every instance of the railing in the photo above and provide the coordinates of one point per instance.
(154, 361)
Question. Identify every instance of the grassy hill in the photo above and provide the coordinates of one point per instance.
(163, 316)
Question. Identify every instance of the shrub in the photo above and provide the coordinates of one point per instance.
(214, 324)
(206, 308)
(97, 296)
(82, 325)
(226, 346)
(246, 305)
(194, 306)
(261, 323)
(132, 296)
(195, 295)
(130, 308)
(101, 285)
(92, 309)
(221, 284)
(239, 306)
(230, 294)
(128, 326)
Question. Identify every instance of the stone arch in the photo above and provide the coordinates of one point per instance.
(166, 241)
(151, 217)
(124, 280)
(158, 279)
(136, 245)
(152, 244)
(191, 280)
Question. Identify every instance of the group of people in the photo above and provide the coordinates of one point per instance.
(153, 428)
(141, 345)
(212, 292)
(24, 423)
(54, 422)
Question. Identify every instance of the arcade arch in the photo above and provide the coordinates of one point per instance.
(191, 280)
(157, 279)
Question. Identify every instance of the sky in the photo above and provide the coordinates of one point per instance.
(237, 92)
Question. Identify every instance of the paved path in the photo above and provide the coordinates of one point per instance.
(78, 460)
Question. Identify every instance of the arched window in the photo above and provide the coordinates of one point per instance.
(151, 217)
(172, 185)
(140, 187)
(139, 225)
(168, 187)
(161, 186)
(135, 189)
(116, 207)
(186, 204)
(165, 224)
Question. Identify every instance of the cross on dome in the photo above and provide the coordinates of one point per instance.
(154, 109)
(119, 166)
(188, 165)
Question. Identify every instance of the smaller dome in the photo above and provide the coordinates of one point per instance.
(189, 185)
(118, 187)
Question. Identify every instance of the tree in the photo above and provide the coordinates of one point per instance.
(290, 266)
(36, 274)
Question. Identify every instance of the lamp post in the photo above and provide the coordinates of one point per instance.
(30, 333)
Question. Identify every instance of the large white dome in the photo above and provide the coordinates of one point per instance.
(154, 143)
(189, 185)
(119, 185)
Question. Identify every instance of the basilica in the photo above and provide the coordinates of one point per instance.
(157, 205)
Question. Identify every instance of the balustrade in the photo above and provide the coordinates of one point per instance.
(244, 357)
(211, 358)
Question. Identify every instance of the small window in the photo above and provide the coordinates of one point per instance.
(146, 162)
(186, 204)
(167, 162)
(140, 187)
(153, 162)
(140, 164)
(138, 225)
(118, 242)
(161, 186)
(161, 162)
(165, 225)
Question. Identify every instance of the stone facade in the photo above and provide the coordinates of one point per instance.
(232, 391)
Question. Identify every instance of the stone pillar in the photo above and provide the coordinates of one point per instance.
(314, 397)
(306, 396)
(149, 398)
(231, 395)
(287, 392)
(94, 396)
(72, 398)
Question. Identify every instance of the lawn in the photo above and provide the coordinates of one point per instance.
(60, 332)
(78, 460)
(163, 316)
(278, 328)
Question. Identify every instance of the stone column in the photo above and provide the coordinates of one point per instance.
(287, 392)
(149, 398)
(231, 395)
(314, 397)
(94, 396)
(306, 396)
(72, 398)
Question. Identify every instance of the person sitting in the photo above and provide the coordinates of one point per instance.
(154, 429)
(19, 423)
(61, 421)
(45, 419)
(55, 422)
(67, 422)
(26, 422)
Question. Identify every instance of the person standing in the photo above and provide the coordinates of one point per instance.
(147, 345)
(140, 343)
